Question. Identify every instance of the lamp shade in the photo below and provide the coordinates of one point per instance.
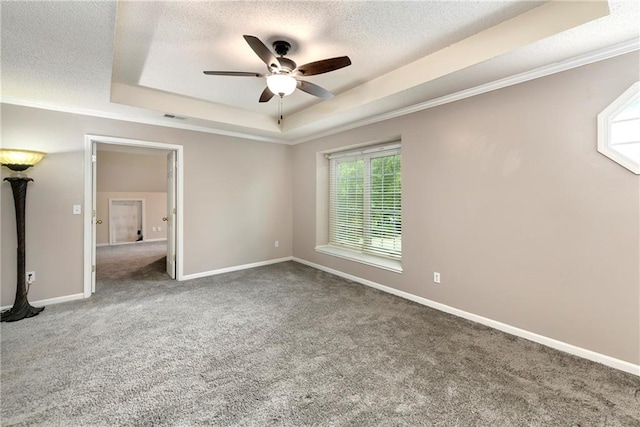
(19, 160)
(281, 84)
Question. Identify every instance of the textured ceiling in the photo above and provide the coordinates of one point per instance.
(138, 60)
(166, 46)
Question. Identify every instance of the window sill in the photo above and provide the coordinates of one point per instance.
(372, 260)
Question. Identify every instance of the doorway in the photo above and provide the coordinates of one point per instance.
(127, 217)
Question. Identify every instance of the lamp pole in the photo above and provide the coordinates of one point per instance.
(21, 307)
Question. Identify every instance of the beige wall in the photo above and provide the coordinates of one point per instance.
(155, 208)
(237, 198)
(131, 172)
(506, 196)
(53, 234)
(240, 200)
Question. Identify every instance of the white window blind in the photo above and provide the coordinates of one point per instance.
(365, 200)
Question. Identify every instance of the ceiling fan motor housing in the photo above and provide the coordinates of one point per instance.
(287, 65)
(281, 47)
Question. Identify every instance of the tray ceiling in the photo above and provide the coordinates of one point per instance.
(140, 60)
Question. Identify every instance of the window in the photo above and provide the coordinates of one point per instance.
(365, 205)
(619, 129)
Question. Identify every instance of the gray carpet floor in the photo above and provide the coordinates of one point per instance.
(285, 345)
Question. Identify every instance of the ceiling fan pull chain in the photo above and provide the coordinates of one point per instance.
(280, 118)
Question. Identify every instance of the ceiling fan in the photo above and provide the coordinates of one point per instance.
(283, 74)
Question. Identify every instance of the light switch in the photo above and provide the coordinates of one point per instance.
(77, 209)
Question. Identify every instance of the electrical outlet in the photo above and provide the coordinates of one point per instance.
(159, 228)
(436, 277)
(31, 277)
(154, 228)
(276, 244)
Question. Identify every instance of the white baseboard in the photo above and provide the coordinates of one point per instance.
(234, 268)
(51, 301)
(74, 297)
(99, 245)
(531, 336)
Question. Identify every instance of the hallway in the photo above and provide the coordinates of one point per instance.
(144, 261)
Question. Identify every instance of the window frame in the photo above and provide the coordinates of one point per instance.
(605, 120)
(385, 261)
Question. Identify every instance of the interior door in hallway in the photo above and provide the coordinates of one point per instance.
(94, 179)
(171, 214)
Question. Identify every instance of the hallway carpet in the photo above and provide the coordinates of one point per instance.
(136, 261)
(288, 345)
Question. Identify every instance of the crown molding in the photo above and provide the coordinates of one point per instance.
(124, 117)
(578, 61)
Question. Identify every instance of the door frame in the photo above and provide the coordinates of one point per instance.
(112, 236)
(90, 194)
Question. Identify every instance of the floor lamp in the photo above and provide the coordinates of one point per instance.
(19, 161)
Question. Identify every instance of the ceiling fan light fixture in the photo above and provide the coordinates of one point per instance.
(281, 74)
(281, 84)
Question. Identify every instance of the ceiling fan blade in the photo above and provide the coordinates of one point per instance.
(262, 51)
(233, 73)
(324, 66)
(314, 90)
(266, 95)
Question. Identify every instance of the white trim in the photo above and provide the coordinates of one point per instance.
(588, 58)
(88, 216)
(51, 301)
(372, 260)
(179, 149)
(235, 268)
(578, 61)
(180, 213)
(160, 239)
(395, 146)
(100, 245)
(531, 336)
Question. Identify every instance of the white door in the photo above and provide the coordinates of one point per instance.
(171, 214)
(126, 221)
(94, 162)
